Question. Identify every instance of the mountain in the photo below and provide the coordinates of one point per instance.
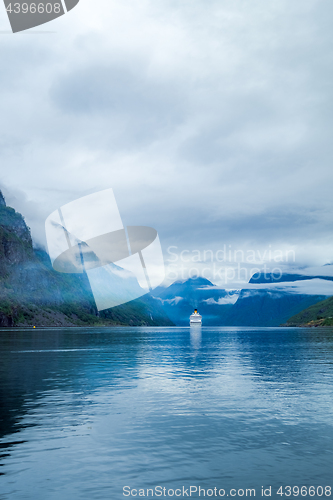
(321, 273)
(32, 293)
(320, 314)
(268, 307)
(180, 298)
(262, 306)
(273, 306)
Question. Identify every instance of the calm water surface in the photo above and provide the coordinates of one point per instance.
(85, 412)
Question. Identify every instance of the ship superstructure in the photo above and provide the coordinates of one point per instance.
(195, 318)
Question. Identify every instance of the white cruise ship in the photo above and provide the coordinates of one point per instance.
(195, 318)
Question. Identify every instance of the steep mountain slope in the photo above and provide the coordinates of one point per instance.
(320, 314)
(32, 293)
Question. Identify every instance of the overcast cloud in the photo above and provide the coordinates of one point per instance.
(306, 287)
(212, 121)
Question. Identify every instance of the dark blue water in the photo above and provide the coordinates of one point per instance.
(86, 412)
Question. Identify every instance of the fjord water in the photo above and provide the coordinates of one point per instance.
(85, 412)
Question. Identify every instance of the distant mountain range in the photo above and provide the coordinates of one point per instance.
(262, 306)
(32, 293)
(274, 305)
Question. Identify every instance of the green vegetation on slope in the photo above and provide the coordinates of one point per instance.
(32, 293)
(320, 314)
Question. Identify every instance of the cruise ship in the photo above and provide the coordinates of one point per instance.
(195, 318)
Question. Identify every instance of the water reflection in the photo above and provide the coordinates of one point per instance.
(85, 412)
(195, 334)
(77, 362)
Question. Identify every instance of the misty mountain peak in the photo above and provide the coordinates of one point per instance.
(198, 281)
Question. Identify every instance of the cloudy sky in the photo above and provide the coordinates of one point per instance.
(211, 121)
